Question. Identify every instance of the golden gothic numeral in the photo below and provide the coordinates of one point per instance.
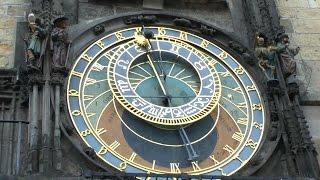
(204, 44)
(257, 125)
(87, 57)
(73, 92)
(184, 36)
(257, 107)
(76, 113)
(123, 166)
(252, 144)
(223, 55)
(239, 70)
(103, 150)
(119, 36)
(85, 132)
(251, 88)
(161, 31)
(100, 44)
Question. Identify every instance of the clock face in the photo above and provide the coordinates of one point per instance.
(170, 103)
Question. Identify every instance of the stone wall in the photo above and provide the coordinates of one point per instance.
(301, 19)
(11, 11)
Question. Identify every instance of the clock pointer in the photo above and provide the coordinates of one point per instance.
(192, 155)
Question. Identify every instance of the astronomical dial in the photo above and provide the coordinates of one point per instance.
(161, 100)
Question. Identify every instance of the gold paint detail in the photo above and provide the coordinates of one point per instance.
(229, 149)
(257, 125)
(252, 144)
(215, 161)
(87, 58)
(153, 164)
(133, 156)
(85, 132)
(204, 43)
(238, 136)
(243, 121)
(103, 150)
(76, 113)
(119, 36)
(183, 35)
(239, 70)
(257, 107)
(195, 166)
(113, 146)
(123, 166)
(223, 55)
(73, 92)
(174, 167)
(101, 131)
(161, 31)
(100, 44)
(76, 73)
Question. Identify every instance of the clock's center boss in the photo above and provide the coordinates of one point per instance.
(161, 99)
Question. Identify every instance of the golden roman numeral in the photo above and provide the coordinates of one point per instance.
(243, 121)
(114, 145)
(153, 164)
(238, 136)
(132, 157)
(195, 166)
(228, 149)
(242, 105)
(90, 81)
(97, 67)
(101, 131)
(214, 159)
(251, 88)
(175, 167)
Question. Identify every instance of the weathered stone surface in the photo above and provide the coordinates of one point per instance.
(313, 114)
(293, 3)
(16, 10)
(306, 25)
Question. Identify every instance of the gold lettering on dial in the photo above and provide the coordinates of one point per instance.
(252, 144)
(183, 35)
(114, 145)
(87, 57)
(228, 149)
(76, 113)
(73, 92)
(243, 121)
(204, 44)
(161, 31)
(133, 156)
(223, 55)
(238, 136)
(175, 167)
(103, 150)
(85, 132)
(257, 125)
(214, 159)
(101, 131)
(119, 36)
(100, 44)
(195, 166)
(153, 164)
(257, 107)
(76, 73)
(239, 70)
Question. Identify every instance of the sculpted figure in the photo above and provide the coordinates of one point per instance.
(286, 55)
(60, 42)
(265, 55)
(34, 41)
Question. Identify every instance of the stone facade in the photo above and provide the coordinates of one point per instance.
(301, 19)
(11, 11)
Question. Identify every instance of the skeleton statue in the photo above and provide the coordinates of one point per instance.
(266, 57)
(60, 42)
(34, 41)
(286, 55)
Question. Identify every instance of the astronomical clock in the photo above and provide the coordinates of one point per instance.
(163, 99)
